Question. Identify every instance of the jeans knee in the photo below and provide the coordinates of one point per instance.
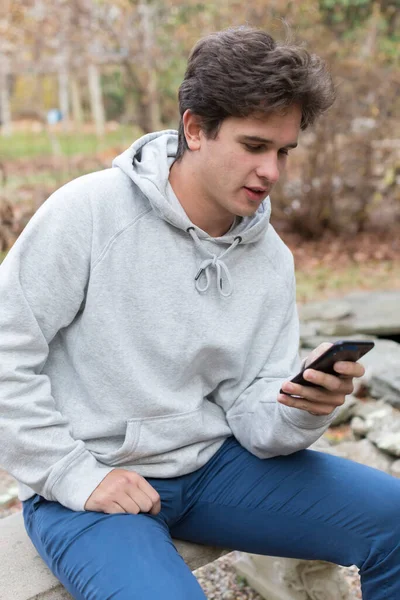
(385, 528)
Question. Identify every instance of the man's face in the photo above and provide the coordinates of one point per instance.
(239, 168)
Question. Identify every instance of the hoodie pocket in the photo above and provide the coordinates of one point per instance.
(151, 439)
(125, 452)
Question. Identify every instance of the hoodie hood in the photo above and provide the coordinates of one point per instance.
(148, 161)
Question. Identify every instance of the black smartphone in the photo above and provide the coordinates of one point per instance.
(347, 350)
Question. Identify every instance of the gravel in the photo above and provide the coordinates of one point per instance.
(220, 581)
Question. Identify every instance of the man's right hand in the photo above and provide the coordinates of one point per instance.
(123, 491)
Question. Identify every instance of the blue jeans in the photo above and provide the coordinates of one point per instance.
(307, 505)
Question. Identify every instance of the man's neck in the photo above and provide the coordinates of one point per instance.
(187, 188)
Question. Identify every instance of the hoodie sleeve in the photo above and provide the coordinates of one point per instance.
(259, 422)
(42, 288)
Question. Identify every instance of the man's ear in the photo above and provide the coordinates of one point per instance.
(192, 129)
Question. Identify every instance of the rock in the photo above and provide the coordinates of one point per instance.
(384, 357)
(393, 401)
(309, 329)
(370, 313)
(320, 444)
(337, 328)
(375, 313)
(346, 411)
(358, 427)
(365, 408)
(382, 418)
(363, 452)
(395, 468)
(10, 496)
(8, 489)
(387, 441)
(386, 384)
(324, 311)
(291, 579)
(380, 422)
(381, 426)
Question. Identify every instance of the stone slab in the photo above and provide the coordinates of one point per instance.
(370, 313)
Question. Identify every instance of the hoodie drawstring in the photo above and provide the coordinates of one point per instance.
(213, 261)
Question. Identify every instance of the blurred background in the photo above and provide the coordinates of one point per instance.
(80, 80)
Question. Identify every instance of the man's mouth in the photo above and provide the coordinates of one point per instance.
(256, 193)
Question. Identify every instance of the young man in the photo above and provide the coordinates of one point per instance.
(148, 322)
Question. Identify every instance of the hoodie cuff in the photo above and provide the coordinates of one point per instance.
(304, 420)
(75, 484)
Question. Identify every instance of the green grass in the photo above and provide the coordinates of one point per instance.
(29, 145)
(48, 178)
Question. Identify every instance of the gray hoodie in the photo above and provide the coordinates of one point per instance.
(130, 338)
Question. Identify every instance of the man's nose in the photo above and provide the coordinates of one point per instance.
(268, 168)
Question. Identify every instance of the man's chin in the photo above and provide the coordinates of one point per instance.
(247, 211)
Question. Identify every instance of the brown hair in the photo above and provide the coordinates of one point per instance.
(242, 71)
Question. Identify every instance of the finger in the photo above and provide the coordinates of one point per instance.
(325, 380)
(303, 391)
(319, 394)
(114, 508)
(156, 507)
(141, 499)
(129, 504)
(349, 369)
(314, 408)
(152, 494)
(333, 383)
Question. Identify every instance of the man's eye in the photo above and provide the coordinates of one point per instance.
(284, 151)
(254, 148)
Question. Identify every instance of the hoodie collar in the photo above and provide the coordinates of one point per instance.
(147, 163)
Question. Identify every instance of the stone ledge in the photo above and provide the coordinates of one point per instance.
(24, 576)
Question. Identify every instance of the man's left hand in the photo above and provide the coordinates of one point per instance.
(332, 389)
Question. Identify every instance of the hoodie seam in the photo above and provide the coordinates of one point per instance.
(116, 236)
(275, 268)
(92, 238)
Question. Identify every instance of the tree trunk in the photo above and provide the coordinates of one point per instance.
(5, 112)
(96, 99)
(63, 96)
(150, 105)
(76, 100)
(131, 105)
(368, 49)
